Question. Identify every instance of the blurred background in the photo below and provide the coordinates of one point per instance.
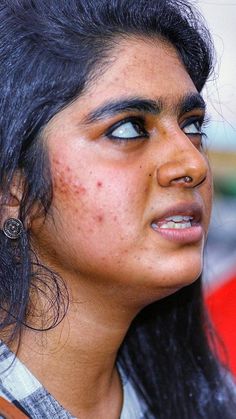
(220, 95)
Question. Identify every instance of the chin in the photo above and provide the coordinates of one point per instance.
(175, 277)
(159, 285)
(184, 277)
(185, 270)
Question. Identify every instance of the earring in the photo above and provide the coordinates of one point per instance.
(13, 228)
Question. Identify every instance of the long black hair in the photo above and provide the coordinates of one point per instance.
(50, 50)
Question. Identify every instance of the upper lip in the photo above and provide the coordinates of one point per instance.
(193, 210)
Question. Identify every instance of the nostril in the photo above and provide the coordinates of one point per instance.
(201, 181)
(189, 181)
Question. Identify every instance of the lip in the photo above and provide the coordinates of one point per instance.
(189, 235)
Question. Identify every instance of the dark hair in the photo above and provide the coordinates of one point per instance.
(49, 51)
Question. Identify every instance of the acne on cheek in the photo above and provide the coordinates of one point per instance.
(67, 185)
(64, 182)
(99, 218)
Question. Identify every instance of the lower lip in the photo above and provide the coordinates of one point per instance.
(183, 236)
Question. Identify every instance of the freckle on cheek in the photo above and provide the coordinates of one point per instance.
(99, 218)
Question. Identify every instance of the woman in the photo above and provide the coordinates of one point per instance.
(106, 200)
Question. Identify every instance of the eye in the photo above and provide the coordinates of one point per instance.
(128, 129)
(193, 128)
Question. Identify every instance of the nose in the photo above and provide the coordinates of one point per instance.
(186, 166)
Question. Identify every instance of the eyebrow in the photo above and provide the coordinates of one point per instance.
(138, 104)
(135, 104)
(190, 102)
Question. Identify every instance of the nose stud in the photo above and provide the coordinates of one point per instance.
(187, 179)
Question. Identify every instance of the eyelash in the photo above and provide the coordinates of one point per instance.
(199, 122)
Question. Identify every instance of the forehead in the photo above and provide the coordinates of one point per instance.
(142, 67)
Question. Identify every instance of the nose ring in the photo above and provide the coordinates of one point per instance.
(188, 179)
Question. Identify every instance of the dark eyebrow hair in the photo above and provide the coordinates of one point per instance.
(136, 104)
(118, 106)
(190, 102)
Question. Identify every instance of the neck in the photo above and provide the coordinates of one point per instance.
(76, 360)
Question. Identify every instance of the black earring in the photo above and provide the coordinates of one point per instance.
(13, 228)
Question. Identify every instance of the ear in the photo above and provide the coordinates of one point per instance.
(11, 203)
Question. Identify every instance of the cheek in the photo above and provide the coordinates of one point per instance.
(66, 185)
(82, 203)
(106, 202)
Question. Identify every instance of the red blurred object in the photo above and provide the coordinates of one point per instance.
(222, 308)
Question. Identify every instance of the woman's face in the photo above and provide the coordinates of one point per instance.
(124, 216)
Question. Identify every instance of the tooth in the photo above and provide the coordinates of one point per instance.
(182, 225)
(178, 226)
(176, 218)
(179, 218)
(168, 225)
(171, 224)
(188, 225)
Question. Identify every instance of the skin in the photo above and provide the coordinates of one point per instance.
(98, 233)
